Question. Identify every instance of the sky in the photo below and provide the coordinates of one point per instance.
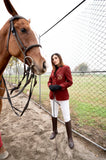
(44, 14)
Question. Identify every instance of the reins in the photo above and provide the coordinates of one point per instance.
(18, 112)
(28, 73)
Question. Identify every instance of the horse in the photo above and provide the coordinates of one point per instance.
(17, 39)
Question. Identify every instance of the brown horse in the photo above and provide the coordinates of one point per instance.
(18, 40)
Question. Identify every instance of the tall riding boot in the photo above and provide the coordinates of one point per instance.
(69, 134)
(54, 125)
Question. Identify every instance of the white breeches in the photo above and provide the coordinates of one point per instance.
(64, 105)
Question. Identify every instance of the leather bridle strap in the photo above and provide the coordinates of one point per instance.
(13, 30)
(34, 45)
(19, 42)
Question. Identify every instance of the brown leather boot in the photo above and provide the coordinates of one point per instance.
(54, 125)
(69, 134)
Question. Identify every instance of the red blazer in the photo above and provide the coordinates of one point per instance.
(63, 78)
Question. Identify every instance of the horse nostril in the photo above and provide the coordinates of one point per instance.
(44, 65)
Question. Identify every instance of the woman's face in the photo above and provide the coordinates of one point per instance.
(55, 60)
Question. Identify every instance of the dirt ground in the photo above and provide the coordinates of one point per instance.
(27, 137)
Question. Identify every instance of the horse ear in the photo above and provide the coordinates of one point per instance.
(10, 8)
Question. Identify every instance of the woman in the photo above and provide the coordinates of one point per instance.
(59, 80)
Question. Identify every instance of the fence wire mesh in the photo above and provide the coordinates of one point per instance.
(88, 65)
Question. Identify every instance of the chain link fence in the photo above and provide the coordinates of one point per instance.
(87, 61)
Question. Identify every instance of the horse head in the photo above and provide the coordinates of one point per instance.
(22, 42)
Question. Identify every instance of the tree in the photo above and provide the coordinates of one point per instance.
(83, 67)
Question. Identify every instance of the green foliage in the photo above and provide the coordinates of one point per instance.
(83, 67)
(12, 61)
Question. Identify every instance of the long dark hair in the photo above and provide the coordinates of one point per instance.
(60, 58)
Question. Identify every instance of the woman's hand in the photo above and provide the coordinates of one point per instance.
(54, 87)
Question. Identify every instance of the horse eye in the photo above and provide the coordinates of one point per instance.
(23, 30)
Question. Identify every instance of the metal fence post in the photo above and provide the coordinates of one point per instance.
(40, 89)
(39, 83)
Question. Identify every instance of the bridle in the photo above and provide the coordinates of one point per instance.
(12, 30)
(28, 73)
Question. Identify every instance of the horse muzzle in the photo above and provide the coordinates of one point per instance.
(39, 70)
(35, 68)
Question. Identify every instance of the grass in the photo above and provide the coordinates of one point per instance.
(87, 99)
(91, 115)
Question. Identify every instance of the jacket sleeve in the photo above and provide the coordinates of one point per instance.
(68, 82)
(50, 80)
